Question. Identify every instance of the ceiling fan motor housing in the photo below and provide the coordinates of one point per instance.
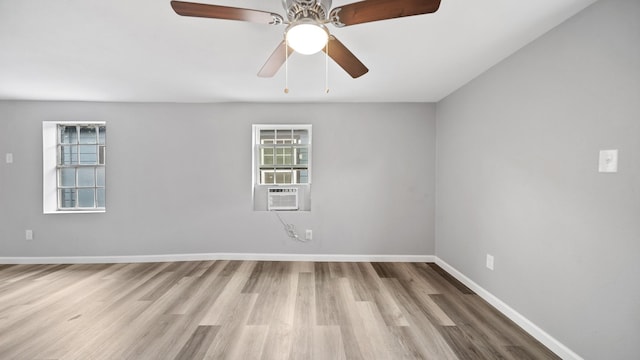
(316, 10)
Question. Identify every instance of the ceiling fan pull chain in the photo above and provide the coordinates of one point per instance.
(326, 68)
(286, 66)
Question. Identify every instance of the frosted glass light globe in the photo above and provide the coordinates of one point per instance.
(307, 39)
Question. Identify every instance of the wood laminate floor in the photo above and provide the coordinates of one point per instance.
(250, 310)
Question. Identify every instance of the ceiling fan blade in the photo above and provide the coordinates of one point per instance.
(375, 10)
(345, 58)
(275, 61)
(225, 12)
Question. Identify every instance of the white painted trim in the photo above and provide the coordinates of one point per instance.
(76, 212)
(214, 256)
(549, 341)
(49, 155)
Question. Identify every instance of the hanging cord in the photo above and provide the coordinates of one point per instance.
(286, 66)
(326, 68)
(290, 229)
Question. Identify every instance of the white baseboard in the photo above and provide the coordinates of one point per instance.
(549, 341)
(214, 256)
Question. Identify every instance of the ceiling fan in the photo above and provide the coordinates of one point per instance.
(306, 32)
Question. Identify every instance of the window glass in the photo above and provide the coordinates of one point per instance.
(86, 198)
(67, 198)
(266, 157)
(67, 177)
(283, 155)
(101, 154)
(100, 176)
(283, 136)
(81, 162)
(88, 154)
(267, 136)
(101, 134)
(301, 136)
(100, 197)
(88, 135)
(67, 135)
(302, 176)
(86, 177)
(267, 177)
(301, 156)
(68, 154)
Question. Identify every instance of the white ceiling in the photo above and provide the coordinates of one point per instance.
(140, 50)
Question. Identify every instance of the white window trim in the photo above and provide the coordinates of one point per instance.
(49, 167)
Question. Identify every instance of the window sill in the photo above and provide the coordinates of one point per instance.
(284, 185)
(101, 211)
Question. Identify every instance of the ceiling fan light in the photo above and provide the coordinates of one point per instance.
(307, 39)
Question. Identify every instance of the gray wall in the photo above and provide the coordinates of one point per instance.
(517, 158)
(179, 180)
(517, 178)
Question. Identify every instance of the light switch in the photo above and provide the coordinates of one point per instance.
(608, 161)
(489, 262)
(9, 158)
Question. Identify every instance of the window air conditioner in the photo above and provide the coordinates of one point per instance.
(282, 198)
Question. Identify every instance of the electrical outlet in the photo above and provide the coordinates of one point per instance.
(308, 234)
(9, 158)
(489, 262)
(28, 234)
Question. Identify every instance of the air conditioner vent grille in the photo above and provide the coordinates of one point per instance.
(282, 199)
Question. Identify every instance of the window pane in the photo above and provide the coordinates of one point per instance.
(283, 136)
(301, 156)
(100, 198)
(283, 177)
(67, 198)
(267, 136)
(67, 134)
(284, 156)
(301, 176)
(101, 154)
(267, 177)
(102, 132)
(266, 156)
(88, 154)
(276, 176)
(86, 176)
(68, 155)
(86, 198)
(100, 176)
(88, 135)
(67, 177)
(301, 137)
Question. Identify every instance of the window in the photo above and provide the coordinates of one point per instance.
(283, 154)
(80, 166)
(281, 158)
(74, 167)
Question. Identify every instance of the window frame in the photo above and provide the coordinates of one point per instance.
(51, 168)
(258, 148)
(259, 194)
